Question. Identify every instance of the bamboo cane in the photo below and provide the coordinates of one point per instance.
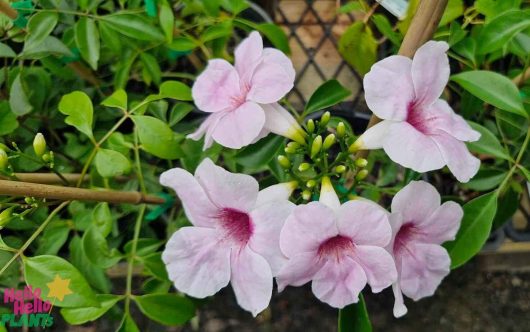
(25, 189)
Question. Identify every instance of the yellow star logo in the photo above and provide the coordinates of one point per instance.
(59, 288)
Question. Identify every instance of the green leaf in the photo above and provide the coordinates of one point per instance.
(157, 137)
(493, 88)
(354, 318)
(18, 97)
(453, 10)
(102, 218)
(220, 30)
(8, 120)
(167, 20)
(276, 35)
(167, 309)
(110, 37)
(128, 324)
(50, 46)
(118, 99)
(383, 25)
(40, 26)
(175, 90)
(474, 229)
(41, 270)
(77, 316)
(53, 238)
(328, 94)
(182, 44)
(95, 276)
(87, 40)
(507, 205)
(487, 144)
(486, 179)
(151, 66)
(525, 172)
(260, 153)
(134, 26)
(78, 108)
(143, 246)
(97, 250)
(6, 51)
(178, 112)
(154, 264)
(358, 47)
(492, 8)
(499, 31)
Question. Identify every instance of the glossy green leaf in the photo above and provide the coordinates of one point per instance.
(97, 250)
(220, 30)
(178, 112)
(152, 67)
(40, 26)
(118, 99)
(328, 94)
(157, 137)
(453, 10)
(485, 180)
(167, 309)
(8, 120)
(493, 88)
(78, 108)
(354, 318)
(182, 44)
(358, 47)
(143, 246)
(87, 40)
(6, 51)
(383, 25)
(175, 90)
(18, 97)
(128, 325)
(276, 35)
(474, 229)
(499, 31)
(41, 270)
(77, 316)
(133, 25)
(50, 46)
(507, 206)
(260, 153)
(102, 218)
(488, 143)
(493, 8)
(167, 20)
(95, 276)
(110, 38)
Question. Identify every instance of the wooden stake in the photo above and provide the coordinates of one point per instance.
(8, 10)
(25, 189)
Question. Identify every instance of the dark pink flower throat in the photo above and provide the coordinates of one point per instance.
(335, 247)
(236, 224)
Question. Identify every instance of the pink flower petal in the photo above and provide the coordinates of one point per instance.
(442, 225)
(441, 117)
(306, 228)
(399, 304)
(460, 161)
(328, 196)
(248, 55)
(206, 129)
(298, 270)
(374, 137)
(196, 262)
(225, 189)
(277, 192)
(388, 88)
(197, 205)
(339, 283)
(378, 266)
(216, 87)
(430, 72)
(423, 266)
(251, 280)
(272, 78)
(416, 202)
(364, 223)
(240, 127)
(268, 220)
(410, 148)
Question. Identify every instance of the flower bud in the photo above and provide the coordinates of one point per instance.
(329, 141)
(361, 162)
(4, 161)
(325, 119)
(311, 184)
(361, 175)
(316, 146)
(356, 146)
(39, 145)
(293, 145)
(289, 150)
(284, 161)
(340, 169)
(306, 195)
(341, 130)
(5, 216)
(310, 126)
(304, 167)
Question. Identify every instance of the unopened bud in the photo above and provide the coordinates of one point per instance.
(316, 146)
(306, 195)
(341, 130)
(311, 184)
(5, 216)
(329, 141)
(356, 146)
(39, 145)
(304, 167)
(361, 175)
(284, 161)
(293, 145)
(289, 150)
(46, 157)
(3, 159)
(340, 169)
(310, 126)
(361, 162)
(325, 119)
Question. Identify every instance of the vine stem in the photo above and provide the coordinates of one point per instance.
(130, 266)
(516, 163)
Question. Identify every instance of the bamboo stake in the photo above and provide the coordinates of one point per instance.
(421, 29)
(17, 188)
(8, 10)
(45, 178)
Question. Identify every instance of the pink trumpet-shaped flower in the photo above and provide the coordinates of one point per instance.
(339, 247)
(419, 226)
(419, 130)
(243, 99)
(234, 237)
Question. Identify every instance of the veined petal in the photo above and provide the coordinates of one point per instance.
(410, 148)
(248, 55)
(298, 270)
(441, 117)
(328, 196)
(196, 262)
(280, 122)
(374, 137)
(339, 283)
(206, 129)
(442, 225)
(197, 205)
(272, 55)
(388, 88)
(416, 202)
(216, 87)
(240, 127)
(430, 72)
(251, 280)
(277, 192)
(364, 223)
(460, 161)
(272, 79)
(225, 189)
(378, 266)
